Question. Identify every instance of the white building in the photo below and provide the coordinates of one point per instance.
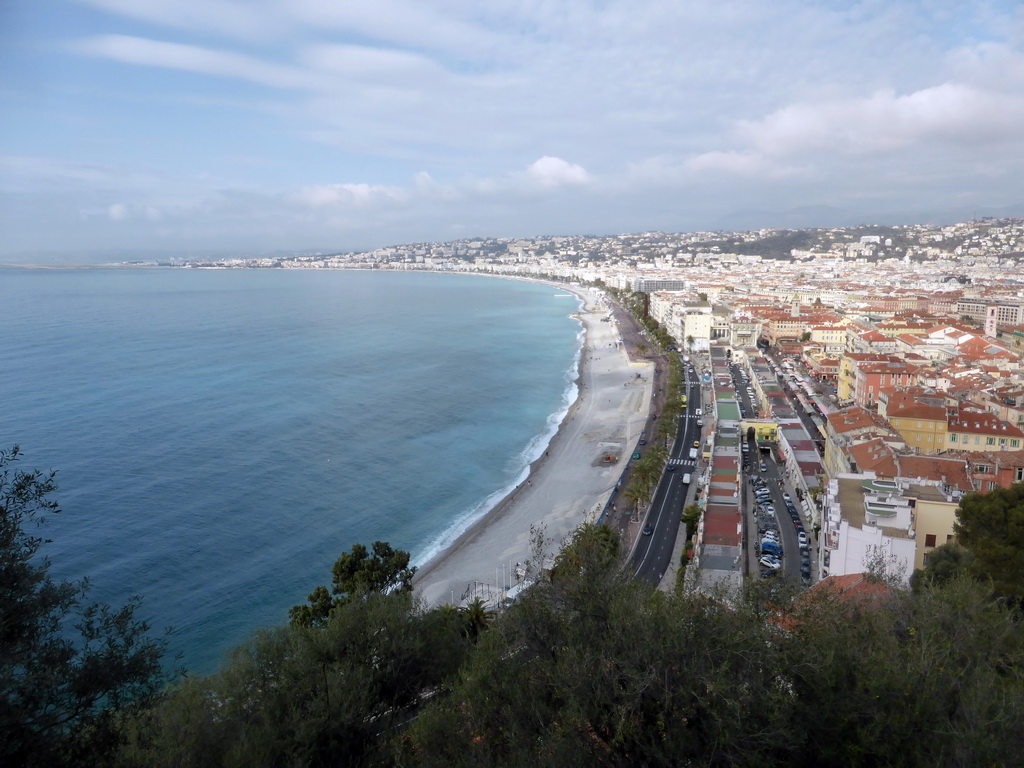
(864, 519)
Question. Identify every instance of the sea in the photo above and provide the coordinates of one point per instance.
(221, 437)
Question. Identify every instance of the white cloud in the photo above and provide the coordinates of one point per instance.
(118, 212)
(348, 195)
(237, 18)
(951, 117)
(883, 122)
(192, 58)
(556, 172)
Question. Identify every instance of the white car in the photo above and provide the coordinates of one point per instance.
(770, 562)
(802, 538)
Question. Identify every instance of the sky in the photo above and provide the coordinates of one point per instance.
(249, 126)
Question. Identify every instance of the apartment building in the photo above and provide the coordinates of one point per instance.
(980, 431)
(920, 419)
(865, 518)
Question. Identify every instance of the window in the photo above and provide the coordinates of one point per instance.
(1019, 474)
(1014, 443)
(992, 485)
(952, 437)
(983, 469)
(929, 540)
(990, 441)
(949, 537)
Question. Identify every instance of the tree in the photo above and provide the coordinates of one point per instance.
(330, 696)
(356, 572)
(805, 336)
(691, 516)
(67, 669)
(991, 526)
(945, 563)
(477, 617)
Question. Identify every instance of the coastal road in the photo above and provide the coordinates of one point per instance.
(653, 553)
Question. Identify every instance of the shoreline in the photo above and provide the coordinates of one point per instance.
(483, 559)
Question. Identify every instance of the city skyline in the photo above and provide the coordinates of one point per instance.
(220, 126)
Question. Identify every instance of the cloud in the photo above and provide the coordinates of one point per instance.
(192, 58)
(349, 195)
(237, 18)
(869, 128)
(883, 121)
(118, 212)
(556, 172)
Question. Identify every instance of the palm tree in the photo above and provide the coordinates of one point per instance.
(477, 618)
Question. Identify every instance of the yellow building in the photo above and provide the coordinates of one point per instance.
(970, 430)
(933, 521)
(922, 425)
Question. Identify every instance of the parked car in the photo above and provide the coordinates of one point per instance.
(801, 537)
(764, 467)
(770, 562)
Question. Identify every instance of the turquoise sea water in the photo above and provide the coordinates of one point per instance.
(222, 437)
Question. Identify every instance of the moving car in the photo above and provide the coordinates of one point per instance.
(648, 530)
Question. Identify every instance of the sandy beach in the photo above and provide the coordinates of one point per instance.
(567, 485)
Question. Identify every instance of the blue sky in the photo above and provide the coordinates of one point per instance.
(193, 126)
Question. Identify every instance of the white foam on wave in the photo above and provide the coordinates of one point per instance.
(533, 451)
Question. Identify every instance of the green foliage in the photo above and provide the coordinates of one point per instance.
(356, 572)
(68, 669)
(591, 546)
(593, 669)
(324, 696)
(477, 617)
(691, 516)
(945, 563)
(991, 526)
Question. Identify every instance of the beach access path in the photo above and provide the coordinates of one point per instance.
(569, 484)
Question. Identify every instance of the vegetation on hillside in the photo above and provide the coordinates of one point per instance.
(588, 667)
(69, 669)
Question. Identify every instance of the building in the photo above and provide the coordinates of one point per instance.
(976, 430)
(919, 418)
(866, 521)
